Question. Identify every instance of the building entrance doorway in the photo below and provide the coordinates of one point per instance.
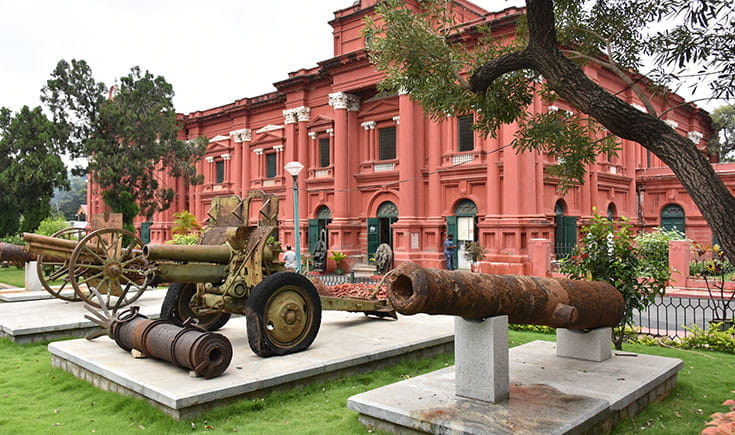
(380, 228)
(318, 226)
(565, 231)
(465, 223)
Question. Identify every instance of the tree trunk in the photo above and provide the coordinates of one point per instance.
(709, 193)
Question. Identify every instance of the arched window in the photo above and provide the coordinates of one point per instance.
(611, 212)
(673, 218)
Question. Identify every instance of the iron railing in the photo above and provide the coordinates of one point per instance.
(332, 279)
(671, 316)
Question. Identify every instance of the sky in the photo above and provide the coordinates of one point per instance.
(212, 53)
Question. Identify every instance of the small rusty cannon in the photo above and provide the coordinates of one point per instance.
(206, 353)
(555, 302)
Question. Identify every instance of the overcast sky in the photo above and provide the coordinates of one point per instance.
(212, 52)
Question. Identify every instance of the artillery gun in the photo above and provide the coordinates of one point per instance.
(234, 269)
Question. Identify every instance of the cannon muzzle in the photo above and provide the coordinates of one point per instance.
(220, 254)
(555, 302)
(14, 253)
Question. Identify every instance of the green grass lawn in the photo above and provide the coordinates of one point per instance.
(36, 398)
(13, 276)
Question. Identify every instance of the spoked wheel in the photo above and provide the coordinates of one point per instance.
(111, 261)
(57, 269)
(283, 314)
(176, 308)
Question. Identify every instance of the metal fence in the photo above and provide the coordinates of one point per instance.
(332, 279)
(670, 316)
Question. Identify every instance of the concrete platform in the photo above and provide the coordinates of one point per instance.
(40, 320)
(22, 295)
(548, 394)
(346, 343)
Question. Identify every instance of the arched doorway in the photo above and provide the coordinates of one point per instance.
(463, 226)
(316, 226)
(611, 212)
(673, 218)
(565, 231)
(379, 229)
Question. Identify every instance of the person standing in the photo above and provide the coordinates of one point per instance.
(449, 248)
(289, 257)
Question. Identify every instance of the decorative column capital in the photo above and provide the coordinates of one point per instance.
(342, 100)
(289, 116)
(278, 148)
(397, 119)
(209, 159)
(242, 135)
(369, 125)
(258, 151)
(695, 136)
(330, 131)
(313, 135)
(226, 156)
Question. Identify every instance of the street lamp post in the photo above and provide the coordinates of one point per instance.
(294, 168)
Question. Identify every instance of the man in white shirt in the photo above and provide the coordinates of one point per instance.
(289, 257)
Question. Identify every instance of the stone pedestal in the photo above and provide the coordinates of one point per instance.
(31, 277)
(481, 359)
(593, 345)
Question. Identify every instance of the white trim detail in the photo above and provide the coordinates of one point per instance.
(226, 156)
(369, 125)
(553, 108)
(258, 151)
(219, 138)
(209, 159)
(278, 148)
(343, 100)
(382, 167)
(330, 131)
(313, 135)
(397, 119)
(671, 123)
(269, 127)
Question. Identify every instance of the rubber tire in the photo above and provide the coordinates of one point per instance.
(256, 306)
(170, 312)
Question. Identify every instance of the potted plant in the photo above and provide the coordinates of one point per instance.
(714, 270)
(338, 257)
(474, 252)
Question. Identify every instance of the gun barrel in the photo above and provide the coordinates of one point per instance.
(14, 253)
(220, 254)
(555, 302)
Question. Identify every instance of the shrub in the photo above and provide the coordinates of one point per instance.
(51, 225)
(608, 252)
(15, 239)
(184, 239)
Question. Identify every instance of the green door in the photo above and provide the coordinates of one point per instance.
(452, 229)
(673, 218)
(565, 235)
(313, 233)
(372, 236)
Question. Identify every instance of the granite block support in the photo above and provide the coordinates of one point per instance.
(591, 345)
(481, 359)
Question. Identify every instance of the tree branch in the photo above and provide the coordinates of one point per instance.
(484, 76)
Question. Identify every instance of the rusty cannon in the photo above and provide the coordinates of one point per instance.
(554, 302)
(14, 254)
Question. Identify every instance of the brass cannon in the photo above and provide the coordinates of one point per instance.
(555, 302)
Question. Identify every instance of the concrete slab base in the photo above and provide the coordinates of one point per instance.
(346, 343)
(23, 295)
(548, 394)
(41, 320)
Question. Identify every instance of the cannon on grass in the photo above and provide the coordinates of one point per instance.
(235, 269)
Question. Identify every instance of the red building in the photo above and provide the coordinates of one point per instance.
(378, 170)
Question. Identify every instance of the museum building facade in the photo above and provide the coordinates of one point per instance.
(378, 170)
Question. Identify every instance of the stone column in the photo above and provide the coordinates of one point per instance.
(408, 161)
(435, 161)
(303, 115)
(242, 139)
(341, 102)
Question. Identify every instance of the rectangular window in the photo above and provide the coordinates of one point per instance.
(466, 137)
(323, 152)
(387, 143)
(270, 165)
(219, 167)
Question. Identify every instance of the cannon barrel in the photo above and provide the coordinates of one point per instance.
(220, 254)
(14, 253)
(555, 302)
(207, 353)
